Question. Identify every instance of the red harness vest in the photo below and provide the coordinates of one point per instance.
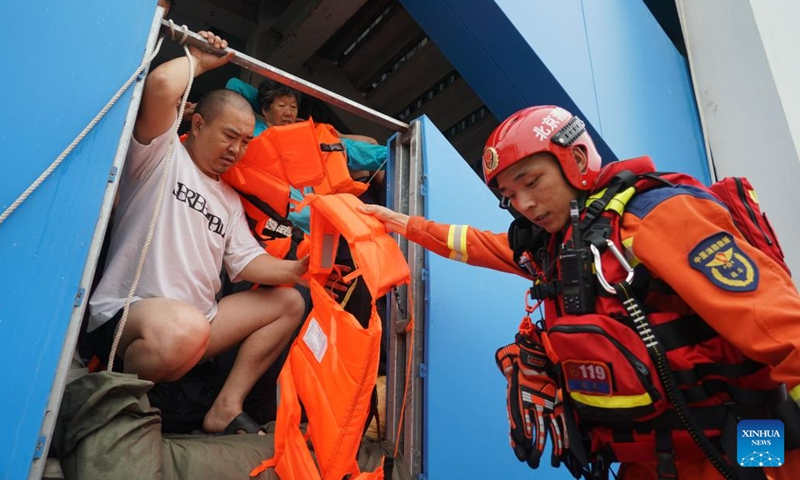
(607, 374)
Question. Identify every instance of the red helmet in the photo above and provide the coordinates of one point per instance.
(541, 129)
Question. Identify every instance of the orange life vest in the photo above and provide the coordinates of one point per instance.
(333, 363)
(264, 192)
(300, 155)
(337, 177)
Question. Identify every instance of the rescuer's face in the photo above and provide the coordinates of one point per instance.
(538, 190)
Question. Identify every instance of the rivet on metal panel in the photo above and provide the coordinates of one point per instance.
(79, 297)
(39, 447)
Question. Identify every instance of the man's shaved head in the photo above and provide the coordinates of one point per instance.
(215, 101)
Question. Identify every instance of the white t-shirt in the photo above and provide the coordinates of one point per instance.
(201, 227)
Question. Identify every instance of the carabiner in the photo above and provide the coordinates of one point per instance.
(598, 266)
(528, 307)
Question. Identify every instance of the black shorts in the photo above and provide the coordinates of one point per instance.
(95, 347)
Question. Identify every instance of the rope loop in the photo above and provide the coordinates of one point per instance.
(173, 32)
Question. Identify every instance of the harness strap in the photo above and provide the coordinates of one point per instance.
(601, 464)
(577, 451)
(696, 374)
(683, 332)
(540, 291)
(708, 418)
(714, 418)
(738, 395)
(597, 203)
(656, 351)
(665, 456)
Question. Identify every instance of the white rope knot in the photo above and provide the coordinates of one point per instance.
(173, 32)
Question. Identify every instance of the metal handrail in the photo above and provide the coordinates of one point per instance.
(286, 78)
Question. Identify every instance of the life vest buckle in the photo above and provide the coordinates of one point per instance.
(598, 265)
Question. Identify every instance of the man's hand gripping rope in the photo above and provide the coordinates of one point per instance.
(534, 403)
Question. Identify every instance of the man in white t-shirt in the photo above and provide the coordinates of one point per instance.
(175, 320)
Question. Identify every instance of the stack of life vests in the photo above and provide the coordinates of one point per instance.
(333, 363)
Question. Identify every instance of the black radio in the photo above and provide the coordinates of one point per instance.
(577, 271)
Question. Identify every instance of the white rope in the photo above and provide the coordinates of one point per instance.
(379, 169)
(28, 191)
(159, 197)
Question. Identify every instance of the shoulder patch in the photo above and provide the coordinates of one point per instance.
(724, 264)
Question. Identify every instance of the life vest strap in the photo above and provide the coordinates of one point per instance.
(347, 296)
(331, 147)
(268, 463)
(264, 207)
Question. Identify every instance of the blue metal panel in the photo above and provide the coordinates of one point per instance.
(68, 59)
(644, 93)
(470, 313)
(609, 62)
(499, 64)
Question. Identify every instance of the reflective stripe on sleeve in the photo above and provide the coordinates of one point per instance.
(457, 242)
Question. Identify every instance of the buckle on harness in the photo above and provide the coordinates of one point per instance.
(666, 466)
(598, 266)
(540, 291)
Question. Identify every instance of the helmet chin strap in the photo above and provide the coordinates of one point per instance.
(582, 196)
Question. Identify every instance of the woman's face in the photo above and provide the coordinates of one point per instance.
(282, 111)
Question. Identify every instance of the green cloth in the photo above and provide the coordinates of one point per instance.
(106, 429)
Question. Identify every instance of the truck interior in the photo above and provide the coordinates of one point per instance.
(373, 53)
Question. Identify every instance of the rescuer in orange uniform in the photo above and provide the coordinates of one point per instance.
(661, 286)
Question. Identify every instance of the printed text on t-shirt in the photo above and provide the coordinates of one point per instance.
(197, 202)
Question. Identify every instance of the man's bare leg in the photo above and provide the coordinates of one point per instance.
(265, 319)
(163, 339)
